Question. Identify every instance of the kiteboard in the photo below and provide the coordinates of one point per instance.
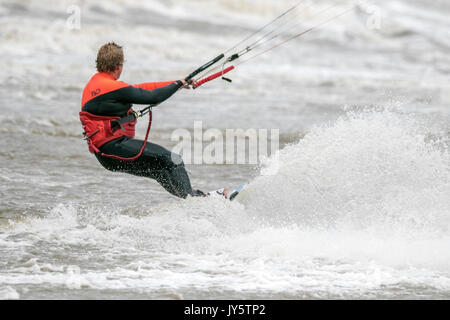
(227, 192)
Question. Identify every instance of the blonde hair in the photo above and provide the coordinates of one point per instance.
(109, 57)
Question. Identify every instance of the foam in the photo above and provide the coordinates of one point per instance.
(8, 293)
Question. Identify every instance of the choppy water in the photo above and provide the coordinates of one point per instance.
(357, 207)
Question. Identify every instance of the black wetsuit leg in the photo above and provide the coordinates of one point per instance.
(156, 162)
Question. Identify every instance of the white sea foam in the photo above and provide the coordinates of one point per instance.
(8, 293)
(355, 206)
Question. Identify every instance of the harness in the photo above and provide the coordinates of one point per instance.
(99, 130)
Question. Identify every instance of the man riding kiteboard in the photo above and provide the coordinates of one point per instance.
(109, 124)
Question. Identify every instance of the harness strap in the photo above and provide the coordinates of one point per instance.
(143, 145)
(115, 125)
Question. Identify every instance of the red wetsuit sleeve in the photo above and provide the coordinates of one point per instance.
(152, 85)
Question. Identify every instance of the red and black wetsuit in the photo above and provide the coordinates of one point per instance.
(105, 99)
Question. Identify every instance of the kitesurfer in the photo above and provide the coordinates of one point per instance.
(106, 100)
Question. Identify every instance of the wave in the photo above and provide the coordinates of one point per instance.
(393, 19)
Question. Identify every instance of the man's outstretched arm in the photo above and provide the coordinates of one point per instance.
(139, 95)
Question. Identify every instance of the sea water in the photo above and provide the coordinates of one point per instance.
(354, 205)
